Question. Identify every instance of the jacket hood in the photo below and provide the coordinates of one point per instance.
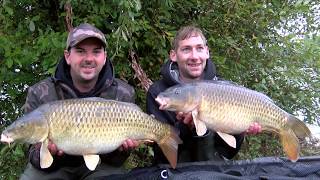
(106, 75)
(170, 72)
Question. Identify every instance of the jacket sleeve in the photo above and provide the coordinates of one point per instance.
(32, 101)
(224, 149)
(124, 92)
(152, 107)
(40, 93)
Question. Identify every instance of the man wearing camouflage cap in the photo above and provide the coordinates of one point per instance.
(84, 71)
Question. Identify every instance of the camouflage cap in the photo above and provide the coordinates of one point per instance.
(82, 32)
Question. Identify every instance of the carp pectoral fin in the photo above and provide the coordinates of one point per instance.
(46, 158)
(229, 139)
(290, 144)
(200, 125)
(91, 161)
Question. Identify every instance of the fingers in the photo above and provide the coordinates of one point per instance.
(257, 128)
(179, 116)
(54, 150)
(254, 128)
(129, 144)
(186, 118)
(135, 143)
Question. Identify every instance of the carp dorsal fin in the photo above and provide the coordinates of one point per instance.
(46, 158)
(91, 161)
(229, 139)
(234, 84)
(222, 82)
(122, 103)
(200, 125)
(95, 99)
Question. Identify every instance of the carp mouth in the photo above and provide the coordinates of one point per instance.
(163, 102)
(6, 139)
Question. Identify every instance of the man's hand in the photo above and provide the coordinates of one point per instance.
(54, 150)
(186, 118)
(129, 144)
(254, 129)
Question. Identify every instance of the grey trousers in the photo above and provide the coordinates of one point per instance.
(71, 173)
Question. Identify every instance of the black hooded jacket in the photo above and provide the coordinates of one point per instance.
(61, 87)
(194, 148)
(63, 75)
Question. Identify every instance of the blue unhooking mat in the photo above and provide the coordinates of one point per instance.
(257, 169)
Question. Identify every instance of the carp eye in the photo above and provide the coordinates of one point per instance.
(22, 125)
(177, 91)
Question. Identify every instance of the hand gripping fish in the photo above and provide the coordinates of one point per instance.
(89, 127)
(230, 109)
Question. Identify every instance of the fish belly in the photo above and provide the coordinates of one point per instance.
(226, 122)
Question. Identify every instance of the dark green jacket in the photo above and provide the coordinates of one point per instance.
(61, 87)
(194, 148)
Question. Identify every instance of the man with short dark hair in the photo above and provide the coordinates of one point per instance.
(84, 71)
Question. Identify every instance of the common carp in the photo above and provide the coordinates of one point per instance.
(89, 127)
(230, 109)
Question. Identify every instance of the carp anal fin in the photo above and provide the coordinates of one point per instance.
(200, 125)
(46, 158)
(229, 139)
(91, 161)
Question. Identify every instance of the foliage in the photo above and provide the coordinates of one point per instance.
(12, 161)
(138, 157)
(261, 145)
(258, 44)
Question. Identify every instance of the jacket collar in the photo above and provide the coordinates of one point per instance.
(170, 72)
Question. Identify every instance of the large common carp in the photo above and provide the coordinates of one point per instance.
(89, 127)
(231, 109)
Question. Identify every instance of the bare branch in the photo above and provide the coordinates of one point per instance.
(145, 82)
(68, 19)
